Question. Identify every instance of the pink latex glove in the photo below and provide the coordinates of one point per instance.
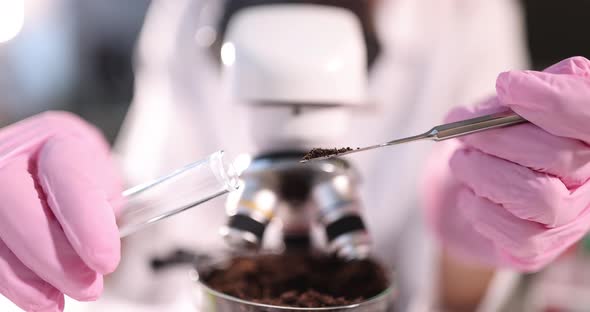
(518, 196)
(58, 233)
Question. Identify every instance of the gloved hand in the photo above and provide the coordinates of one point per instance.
(518, 196)
(58, 233)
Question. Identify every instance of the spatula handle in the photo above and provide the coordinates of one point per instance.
(473, 125)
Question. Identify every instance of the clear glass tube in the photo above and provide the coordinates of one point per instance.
(178, 191)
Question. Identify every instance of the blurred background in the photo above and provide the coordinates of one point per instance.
(78, 55)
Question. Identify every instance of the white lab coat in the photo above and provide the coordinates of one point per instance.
(436, 55)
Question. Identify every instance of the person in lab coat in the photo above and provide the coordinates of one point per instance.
(427, 58)
(58, 181)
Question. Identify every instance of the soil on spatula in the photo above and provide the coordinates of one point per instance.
(324, 152)
(299, 280)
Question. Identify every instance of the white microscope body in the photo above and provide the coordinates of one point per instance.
(301, 69)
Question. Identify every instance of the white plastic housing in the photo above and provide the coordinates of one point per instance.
(295, 53)
(277, 128)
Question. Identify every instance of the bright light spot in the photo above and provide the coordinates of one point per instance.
(265, 200)
(242, 162)
(330, 168)
(205, 36)
(12, 18)
(334, 65)
(228, 54)
(341, 182)
(232, 200)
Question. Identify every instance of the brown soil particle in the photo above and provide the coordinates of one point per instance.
(323, 152)
(299, 280)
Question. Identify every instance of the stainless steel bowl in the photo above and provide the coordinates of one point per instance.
(210, 300)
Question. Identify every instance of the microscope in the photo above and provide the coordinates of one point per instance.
(301, 69)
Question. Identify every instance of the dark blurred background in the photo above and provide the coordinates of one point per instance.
(557, 30)
(100, 70)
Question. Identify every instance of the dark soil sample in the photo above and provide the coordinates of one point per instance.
(299, 280)
(323, 152)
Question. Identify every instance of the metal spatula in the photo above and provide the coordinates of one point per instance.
(438, 133)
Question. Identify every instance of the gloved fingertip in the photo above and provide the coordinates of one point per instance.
(101, 254)
(507, 79)
(104, 261)
(77, 193)
(502, 82)
(91, 292)
(577, 65)
(503, 85)
(524, 89)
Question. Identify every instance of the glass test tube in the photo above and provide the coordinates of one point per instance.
(178, 191)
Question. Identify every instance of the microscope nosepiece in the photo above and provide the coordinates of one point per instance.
(250, 216)
(243, 232)
(339, 207)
